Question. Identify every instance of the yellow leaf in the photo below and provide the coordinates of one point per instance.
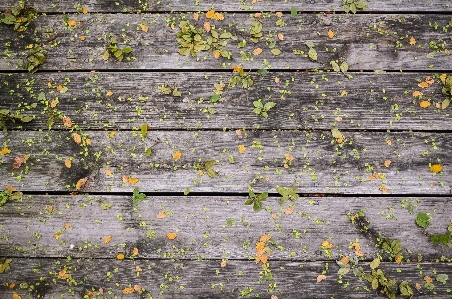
(161, 215)
(112, 134)
(107, 239)
(218, 16)
(412, 41)
(265, 238)
(207, 26)
(77, 138)
(144, 27)
(424, 104)
(210, 14)
(16, 296)
(330, 33)
(120, 256)
(237, 69)
(177, 155)
(257, 51)
(321, 278)
(435, 168)
(171, 236)
(68, 163)
(132, 181)
(241, 148)
(260, 246)
(85, 10)
(80, 183)
(128, 291)
(443, 78)
(57, 235)
(5, 151)
(110, 93)
(327, 244)
(71, 23)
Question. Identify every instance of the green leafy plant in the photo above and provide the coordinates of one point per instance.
(8, 114)
(19, 16)
(256, 30)
(262, 109)
(35, 57)
(393, 248)
(406, 290)
(353, 5)
(339, 68)
(164, 88)
(9, 195)
(256, 200)
(312, 52)
(240, 76)
(287, 193)
(446, 90)
(137, 197)
(206, 167)
(5, 264)
(112, 49)
(422, 219)
(378, 279)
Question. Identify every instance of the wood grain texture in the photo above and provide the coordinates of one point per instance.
(303, 100)
(206, 279)
(320, 164)
(223, 5)
(28, 228)
(369, 42)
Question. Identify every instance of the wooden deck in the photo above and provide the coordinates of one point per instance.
(134, 173)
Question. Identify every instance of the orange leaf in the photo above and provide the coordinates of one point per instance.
(177, 155)
(238, 132)
(424, 104)
(223, 264)
(423, 85)
(171, 236)
(280, 36)
(412, 41)
(107, 239)
(330, 33)
(132, 181)
(265, 238)
(138, 269)
(327, 244)
(63, 275)
(5, 151)
(417, 286)
(195, 16)
(77, 138)
(161, 215)
(16, 296)
(120, 256)
(288, 211)
(345, 260)
(128, 291)
(53, 103)
(144, 27)
(383, 189)
(428, 279)
(241, 148)
(257, 51)
(417, 93)
(108, 172)
(387, 163)
(217, 54)
(12, 285)
(67, 122)
(112, 134)
(10, 188)
(264, 258)
(260, 246)
(398, 259)
(207, 26)
(429, 80)
(278, 14)
(67, 225)
(435, 168)
(68, 163)
(80, 183)
(288, 157)
(85, 10)
(109, 94)
(135, 251)
(57, 235)
(210, 14)
(321, 278)
(137, 288)
(218, 16)
(71, 23)
(81, 37)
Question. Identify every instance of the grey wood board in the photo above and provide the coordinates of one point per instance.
(303, 100)
(370, 42)
(206, 279)
(319, 164)
(223, 5)
(215, 227)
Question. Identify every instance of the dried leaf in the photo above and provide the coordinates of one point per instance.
(345, 260)
(80, 183)
(127, 291)
(288, 210)
(5, 151)
(223, 264)
(77, 138)
(67, 225)
(107, 239)
(330, 33)
(423, 85)
(257, 51)
(412, 41)
(387, 163)
(195, 16)
(241, 148)
(210, 14)
(218, 16)
(177, 155)
(108, 172)
(68, 163)
(109, 93)
(132, 181)
(260, 246)
(16, 296)
(144, 27)
(137, 288)
(424, 104)
(428, 279)
(207, 26)
(321, 278)
(417, 93)
(62, 274)
(71, 23)
(265, 238)
(84, 10)
(120, 256)
(161, 215)
(81, 37)
(171, 236)
(67, 122)
(135, 251)
(280, 36)
(327, 244)
(435, 168)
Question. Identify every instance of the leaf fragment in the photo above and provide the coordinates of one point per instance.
(171, 236)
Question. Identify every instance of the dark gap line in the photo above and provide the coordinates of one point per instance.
(234, 194)
(247, 12)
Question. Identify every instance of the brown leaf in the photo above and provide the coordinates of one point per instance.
(77, 138)
(161, 215)
(207, 26)
(321, 278)
(80, 183)
(257, 51)
(68, 163)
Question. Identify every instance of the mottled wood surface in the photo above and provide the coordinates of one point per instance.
(369, 42)
(320, 164)
(303, 100)
(223, 5)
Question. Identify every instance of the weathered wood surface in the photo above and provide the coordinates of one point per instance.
(303, 100)
(368, 42)
(223, 5)
(29, 228)
(320, 164)
(206, 279)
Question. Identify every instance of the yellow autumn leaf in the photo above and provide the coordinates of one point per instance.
(423, 85)
(128, 291)
(177, 155)
(435, 168)
(107, 239)
(81, 37)
(68, 163)
(71, 23)
(112, 134)
(109, 93)
(84, 10)
(210, 14)
(80, 183)
(171, 236)
(443, 78)
(330, 33)
(77, 138)
(132, 181)
(260, 246)
(257, 51)
(417, 93)
(218, 16)
(144, 27)
(57, 235)
(264, 258)
(424, 104)
(120, 256)
(265, 238)
(327, 244)
(5, 151)
(62, 274)
(241, 148)
(16, 296)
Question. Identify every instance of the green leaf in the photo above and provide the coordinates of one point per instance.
(335, 66)
(337, 134)
(186, 191)
(249, 202)
(258, 104)
(184, 51)
(144, 130)
(241, 44)
(262, 71)
(310, 44)
(226, 35)
(41, 96)
(257, 206)
(176, 92)
(442, 278)
(211, 173)
(127, 50)
(64, 89)
(269, 105)
(312, 54)
(445, 104)
(422, 220)
(375, 284)
(375, 263)
(344, 270)
(360, 5)
(344, 67)
(293, 11)
(276, 52)
(215, 98)
(106, 55)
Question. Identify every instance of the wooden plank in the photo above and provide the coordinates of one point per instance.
(369, 42)
(319, 164)
(30, 228)
(303, 100)
(206, 279)
(222, 5)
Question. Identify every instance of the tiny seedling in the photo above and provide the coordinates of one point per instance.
(287, 193)
(256, 200)
(35, 57)
(19, 16)
(240, 77)
(165, 89)
(137, 197)
(112, 49)
(262, 109)
(206, 168)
